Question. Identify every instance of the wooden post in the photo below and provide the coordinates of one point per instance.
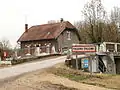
(76, 62)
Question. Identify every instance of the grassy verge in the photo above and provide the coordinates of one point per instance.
(102, 80)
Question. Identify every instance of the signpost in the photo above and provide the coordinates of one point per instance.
(84, 48)
(76, 62)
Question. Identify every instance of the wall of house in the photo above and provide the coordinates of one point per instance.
(64, 42)
(40, 43)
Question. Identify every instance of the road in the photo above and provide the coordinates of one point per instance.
(29, 67)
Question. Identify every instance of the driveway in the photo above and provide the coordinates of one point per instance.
(29, 67)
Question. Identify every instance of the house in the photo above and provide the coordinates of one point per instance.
(57, 36)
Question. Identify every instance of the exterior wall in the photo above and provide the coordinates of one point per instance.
(40, 43)
(64, 42)
(95, 64)
(111, 68)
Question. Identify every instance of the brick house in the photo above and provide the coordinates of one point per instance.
(59, 35)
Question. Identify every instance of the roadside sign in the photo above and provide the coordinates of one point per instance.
(83, 48)
(85, 63)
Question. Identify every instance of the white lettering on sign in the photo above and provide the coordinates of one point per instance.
(83, 48)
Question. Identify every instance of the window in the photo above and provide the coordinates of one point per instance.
(110, 47)
(68, 35)
(118, 47)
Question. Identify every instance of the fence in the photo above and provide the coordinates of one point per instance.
(26, 54)
(35, 51)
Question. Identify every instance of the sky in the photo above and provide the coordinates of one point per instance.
(15, 13)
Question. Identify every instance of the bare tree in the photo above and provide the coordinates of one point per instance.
(5, 44)
(95, 15)
(78, 24)
(110, 34)
(115, 18)
(107, 30)
(82, 27)
(96, 26)
(115, 15)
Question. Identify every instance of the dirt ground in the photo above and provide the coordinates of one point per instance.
(45, 79)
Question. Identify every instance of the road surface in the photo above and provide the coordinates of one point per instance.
(29, 67)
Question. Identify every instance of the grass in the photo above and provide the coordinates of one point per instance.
(103, 80)
(74, 77)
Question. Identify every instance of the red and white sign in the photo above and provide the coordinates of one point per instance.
(83, 48)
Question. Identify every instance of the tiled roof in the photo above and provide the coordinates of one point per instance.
(45, 31)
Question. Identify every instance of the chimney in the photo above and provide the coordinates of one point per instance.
(61, 19)
(26, 27)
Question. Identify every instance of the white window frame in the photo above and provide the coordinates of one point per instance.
(68, 35)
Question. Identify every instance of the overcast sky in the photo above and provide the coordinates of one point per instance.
(13, 13)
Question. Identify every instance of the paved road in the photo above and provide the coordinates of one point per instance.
(29, 67)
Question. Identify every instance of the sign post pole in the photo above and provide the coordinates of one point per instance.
(90, 65)
(76, 61)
